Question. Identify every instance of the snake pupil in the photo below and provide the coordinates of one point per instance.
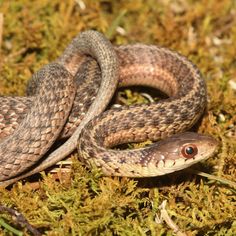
(189, 150)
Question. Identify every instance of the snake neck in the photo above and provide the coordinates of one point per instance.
(155, 67)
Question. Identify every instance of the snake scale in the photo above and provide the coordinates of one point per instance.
(66, 98)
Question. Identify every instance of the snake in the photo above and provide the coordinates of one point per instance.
(66, 99)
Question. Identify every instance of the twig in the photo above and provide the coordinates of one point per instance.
(212, 177)
(164, 216)
(115, 24)
(20, 219)
(10, 228)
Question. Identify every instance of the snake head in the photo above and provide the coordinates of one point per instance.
(181, 151)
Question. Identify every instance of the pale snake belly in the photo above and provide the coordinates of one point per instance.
(30, 125)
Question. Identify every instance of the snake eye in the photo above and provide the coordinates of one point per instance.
(189, 150)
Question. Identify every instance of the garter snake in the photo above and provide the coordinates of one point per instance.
(66, 98)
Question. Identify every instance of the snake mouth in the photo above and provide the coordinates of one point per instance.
(172, 158)
(207, 147)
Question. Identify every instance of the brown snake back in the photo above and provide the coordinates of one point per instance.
(51, 104)
(138, 65)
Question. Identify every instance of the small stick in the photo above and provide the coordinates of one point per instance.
(20, 219)
(212, 177)
(164, 216)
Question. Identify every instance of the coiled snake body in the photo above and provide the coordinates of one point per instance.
(68, 93)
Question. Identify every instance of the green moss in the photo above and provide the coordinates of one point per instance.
(83, 202)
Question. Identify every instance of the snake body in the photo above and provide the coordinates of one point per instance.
(68, 93)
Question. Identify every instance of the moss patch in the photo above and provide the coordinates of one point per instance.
(85, 203)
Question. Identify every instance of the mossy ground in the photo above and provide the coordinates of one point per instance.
(84, 202)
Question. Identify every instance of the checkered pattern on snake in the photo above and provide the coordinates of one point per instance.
(66, 94)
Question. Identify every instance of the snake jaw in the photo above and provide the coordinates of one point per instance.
(174, 159)
(158, 159)
(163, 157)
